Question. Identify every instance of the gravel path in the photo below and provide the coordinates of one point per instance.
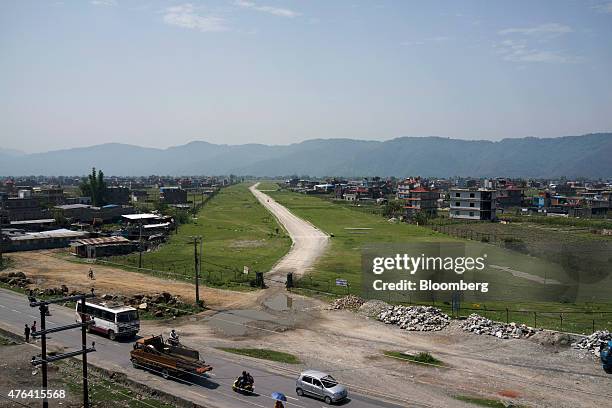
(309, 243)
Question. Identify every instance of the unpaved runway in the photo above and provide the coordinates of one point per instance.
(309, 243)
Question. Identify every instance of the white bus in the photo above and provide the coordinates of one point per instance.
(109, 318)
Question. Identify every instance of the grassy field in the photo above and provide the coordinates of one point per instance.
(268, 185)
(354, 230)
(237, 232)
(485, 402)
(343, 259)
(422, 358)
(263, 354)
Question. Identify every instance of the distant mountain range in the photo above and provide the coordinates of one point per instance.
(571, 156)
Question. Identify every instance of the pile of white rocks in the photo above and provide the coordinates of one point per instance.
(347, 302)
(415, 318)
(372, 308)
(481, 325)
(594, 342)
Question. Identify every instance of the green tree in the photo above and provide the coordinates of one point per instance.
(95, 187)
(393, 208)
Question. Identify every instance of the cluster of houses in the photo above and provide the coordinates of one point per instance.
(36, 214)
(469, 199)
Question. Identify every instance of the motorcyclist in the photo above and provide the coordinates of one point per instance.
(249, 380)
(174, 338)
(243, 379)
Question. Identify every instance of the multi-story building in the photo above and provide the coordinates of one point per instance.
(172, 195)
(509, 197)
(118, 195)
(19, 209)
(472, 204)
(421, 200)
(49, 196)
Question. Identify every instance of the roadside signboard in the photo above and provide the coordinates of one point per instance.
(341, 282)
(245, 270)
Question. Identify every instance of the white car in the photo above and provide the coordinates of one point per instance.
(320, 385)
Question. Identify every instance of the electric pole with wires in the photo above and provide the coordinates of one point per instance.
(197, 265)
(45, 359)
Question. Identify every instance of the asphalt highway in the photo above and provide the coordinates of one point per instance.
(212, 390)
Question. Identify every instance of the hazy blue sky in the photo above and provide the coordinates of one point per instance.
(161, 73)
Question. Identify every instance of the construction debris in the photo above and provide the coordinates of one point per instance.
(351, 302)
(415, 318)
(373, 307)
(15, 279)
(594, 342)
(481, 325)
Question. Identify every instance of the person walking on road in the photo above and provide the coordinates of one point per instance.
(278, 404)
(34, 326)
(91, 274)
(26, 333)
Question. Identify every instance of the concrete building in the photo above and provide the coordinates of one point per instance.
(118, 195)
(76, 212)
(172, 195)
(421, 200)
(19, 209)
(472, 204)
(139, 196)
(49, 196)
(78, 200)
(509, 197)
(34, 225)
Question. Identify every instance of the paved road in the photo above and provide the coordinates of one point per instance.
(309, 243)
(212, 391)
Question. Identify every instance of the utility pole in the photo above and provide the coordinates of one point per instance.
(1, 238)
(1, 241)
(44, 360)
(140, 246)
(197, 265)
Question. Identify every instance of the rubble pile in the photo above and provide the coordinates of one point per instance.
(481, 325)
(415, 318)
(373, 307)
(15, 279)
(594, 342)
(159, 304)
(347, 302)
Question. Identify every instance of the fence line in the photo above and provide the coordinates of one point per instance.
(577, 321)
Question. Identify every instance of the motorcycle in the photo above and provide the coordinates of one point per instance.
(247, 388)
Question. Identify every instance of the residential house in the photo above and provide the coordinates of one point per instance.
(421, 200)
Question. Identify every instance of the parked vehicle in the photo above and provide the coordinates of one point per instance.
(112, 319)
(606, 357)
(320, 385)
(154, 354)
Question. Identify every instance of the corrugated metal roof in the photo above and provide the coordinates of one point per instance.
(58, 233)
(162, 225)
(102, 241)
(72, 206)
(140, 216)
(41, 221)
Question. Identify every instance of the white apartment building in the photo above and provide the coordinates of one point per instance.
(472, 204)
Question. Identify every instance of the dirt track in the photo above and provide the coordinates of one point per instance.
(47, 270)
(309, 243)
